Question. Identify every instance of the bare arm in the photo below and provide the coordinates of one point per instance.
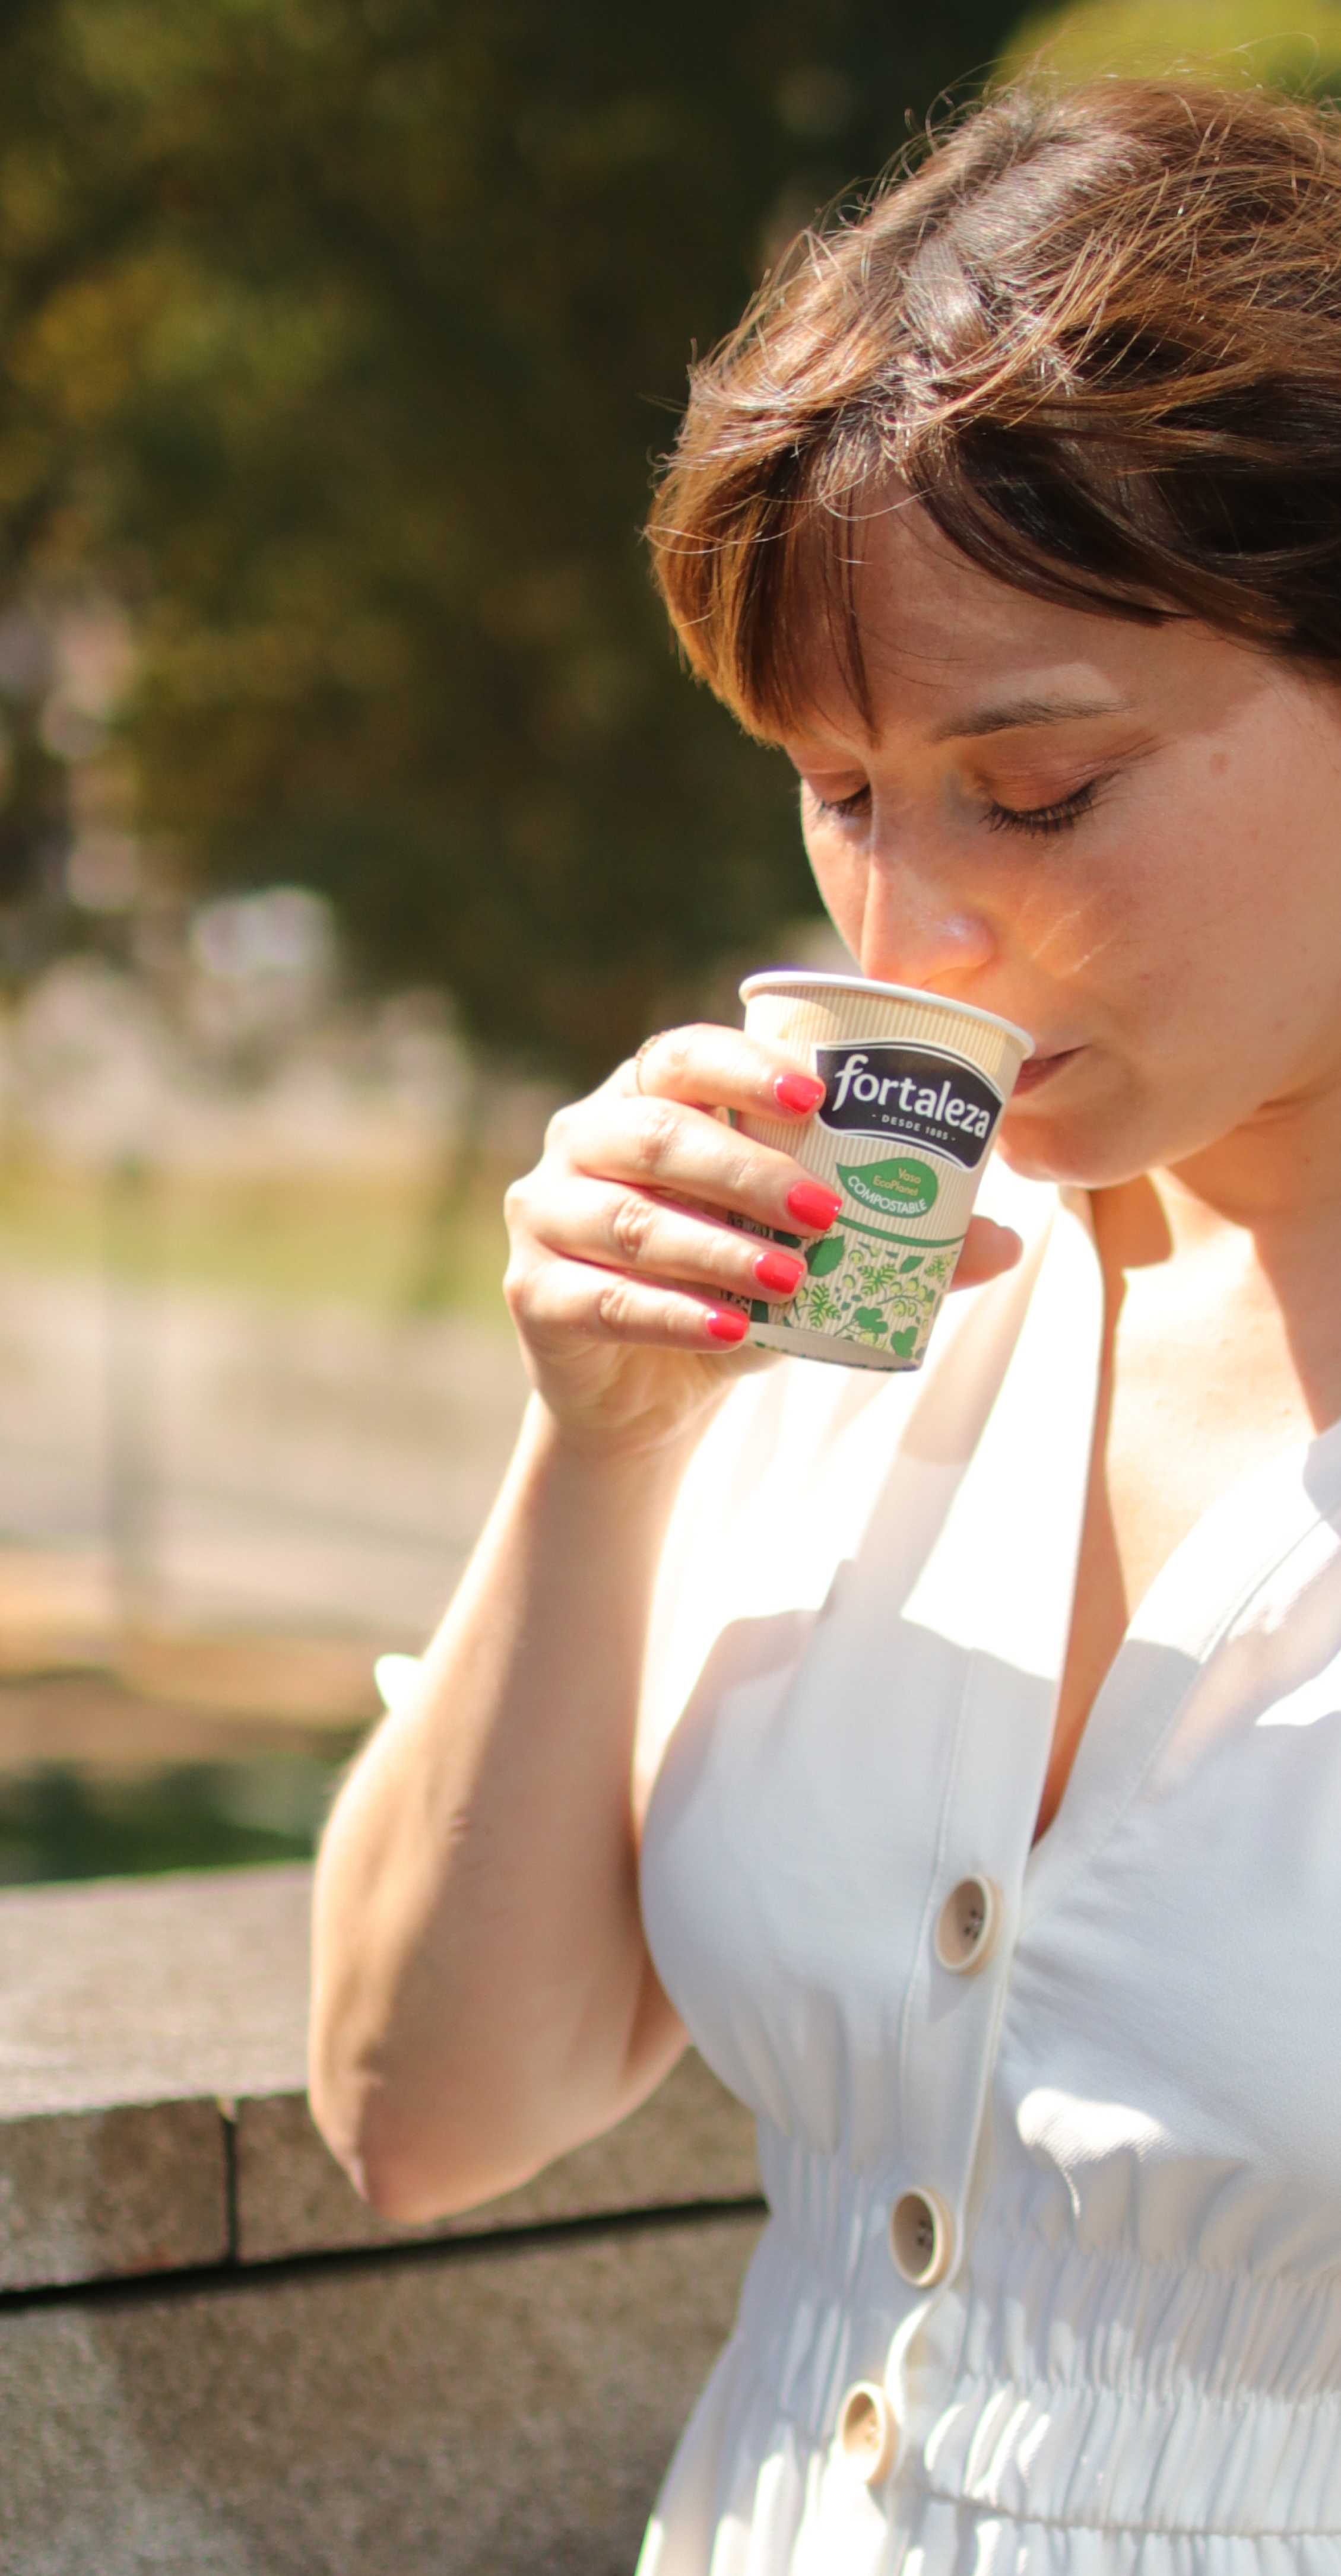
(496, 2003)
(483, 1996)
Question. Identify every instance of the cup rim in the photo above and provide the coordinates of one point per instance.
(768, 978)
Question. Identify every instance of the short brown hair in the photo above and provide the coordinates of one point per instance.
(1096, 333)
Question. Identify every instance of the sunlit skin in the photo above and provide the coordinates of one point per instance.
(1128, 838)
(1151, 877)
(1148, 877)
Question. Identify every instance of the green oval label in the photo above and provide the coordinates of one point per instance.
(900, 1186)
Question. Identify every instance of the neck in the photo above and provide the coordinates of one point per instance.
(1275, 1180)
(1241, 1241)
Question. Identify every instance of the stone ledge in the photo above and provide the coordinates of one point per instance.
(691, 2143)
(510, 2410)
(138, 2018)
(149, 1990)
(140, 2188)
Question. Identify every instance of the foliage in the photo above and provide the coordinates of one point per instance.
(1292, 44)
(338, 334)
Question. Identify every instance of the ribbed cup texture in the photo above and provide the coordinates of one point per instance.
(803, 1016)
(873, 1304)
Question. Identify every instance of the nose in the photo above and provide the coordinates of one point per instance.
(919, 929)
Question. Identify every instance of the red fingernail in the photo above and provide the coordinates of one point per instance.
(798, 1091)
(779, 1270)
(813, 1205)
(727, 1324)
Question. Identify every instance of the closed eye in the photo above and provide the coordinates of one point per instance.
(857, 803)
(1042, 819)
(1039, 820)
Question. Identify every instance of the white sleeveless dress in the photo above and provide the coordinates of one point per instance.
(1051, 2140)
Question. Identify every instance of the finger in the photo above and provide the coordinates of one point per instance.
(989, 1249)
(660, 1146)
(559, 1302)
(717, 1068)
(632, 1230)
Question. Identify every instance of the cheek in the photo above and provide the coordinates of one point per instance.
(1082, 925)
(1126, 908)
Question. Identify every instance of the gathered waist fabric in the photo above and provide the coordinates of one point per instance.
(1121, 2394)
(1047, 2396)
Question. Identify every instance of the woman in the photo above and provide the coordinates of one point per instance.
(1014, 514)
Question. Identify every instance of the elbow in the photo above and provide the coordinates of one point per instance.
(391, 2186)
(407, 2192)
(405, 2172)
(338, 2112)
(348, 2111)
(389, 2181)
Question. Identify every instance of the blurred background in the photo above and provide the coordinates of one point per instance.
(353, 808)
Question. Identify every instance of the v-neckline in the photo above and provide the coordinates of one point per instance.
(1232, 1550)
(999, 1577)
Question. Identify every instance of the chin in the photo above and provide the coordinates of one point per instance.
(1068, 1157)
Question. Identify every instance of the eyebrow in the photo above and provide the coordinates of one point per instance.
(1015, 712)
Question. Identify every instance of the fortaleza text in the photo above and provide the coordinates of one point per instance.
(903, 1092)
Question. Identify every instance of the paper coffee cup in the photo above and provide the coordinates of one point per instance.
(914, 1088)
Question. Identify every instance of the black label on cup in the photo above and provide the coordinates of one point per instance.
(918, 1094)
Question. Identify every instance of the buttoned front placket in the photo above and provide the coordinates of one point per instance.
(1001, 1586)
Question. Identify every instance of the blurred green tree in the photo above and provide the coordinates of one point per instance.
(338, 335)
(1293, 44)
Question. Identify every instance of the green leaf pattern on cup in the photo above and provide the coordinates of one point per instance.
(879, 1294)
(825, 1255)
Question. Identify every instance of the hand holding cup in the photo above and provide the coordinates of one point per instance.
(637, 1242)
(915, 1086)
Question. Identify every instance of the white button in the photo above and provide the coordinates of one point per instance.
(967, 1926)
(867, 2434)
(921, 2236)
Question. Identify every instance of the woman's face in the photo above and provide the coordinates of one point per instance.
(1127, 838)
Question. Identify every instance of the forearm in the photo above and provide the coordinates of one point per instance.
(479, 1965)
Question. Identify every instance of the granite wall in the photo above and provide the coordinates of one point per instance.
(215, 2360)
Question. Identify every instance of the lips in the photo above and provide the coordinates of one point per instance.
(1038, 1068)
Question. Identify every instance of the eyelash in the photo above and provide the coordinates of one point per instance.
(1043, 819)
(842, 806)
(1038, 820)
